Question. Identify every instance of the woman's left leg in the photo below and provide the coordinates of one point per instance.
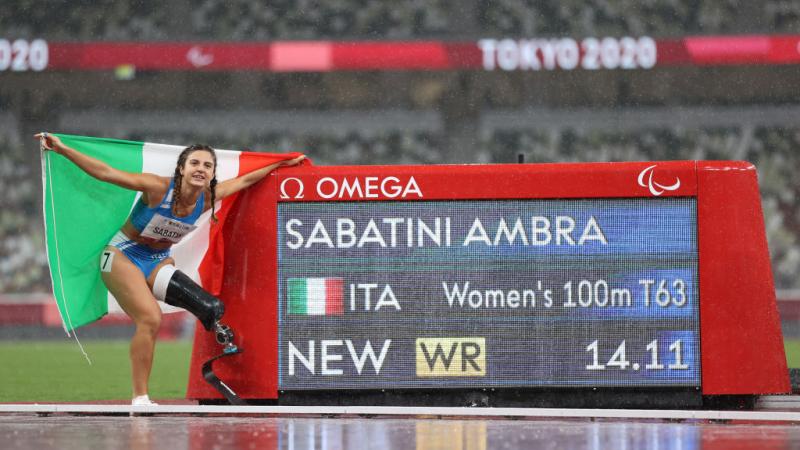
(129, 286)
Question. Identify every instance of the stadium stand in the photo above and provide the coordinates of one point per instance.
(252, 19)
(347, 137)
(606, 17)
(783, 15)
(22, 257)
(123, 20)
(775, 152)
(227, 20)
(342, 148)
(150, 20)
(772, 148)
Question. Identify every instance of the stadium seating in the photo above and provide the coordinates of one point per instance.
(346, 148)
(223, 20)
(85, 20)
(772, 149)
(782, 16)
(606, 17)
(22, 256)
(253, 19)
(362, 19)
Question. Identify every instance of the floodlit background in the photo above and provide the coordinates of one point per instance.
(651, 91)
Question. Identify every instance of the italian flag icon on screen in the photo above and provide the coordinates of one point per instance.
(315, 296)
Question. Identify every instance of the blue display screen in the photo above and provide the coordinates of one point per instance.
(474, 294)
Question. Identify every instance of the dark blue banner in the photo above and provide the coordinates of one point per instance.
(488, 294)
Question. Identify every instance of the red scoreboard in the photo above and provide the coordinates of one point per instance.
(625, 277)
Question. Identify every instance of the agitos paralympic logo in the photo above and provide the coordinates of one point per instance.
(646, 180)
(354, 187)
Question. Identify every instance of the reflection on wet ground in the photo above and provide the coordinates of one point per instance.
(176, 433)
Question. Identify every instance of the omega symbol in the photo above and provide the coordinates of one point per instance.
(300, 187)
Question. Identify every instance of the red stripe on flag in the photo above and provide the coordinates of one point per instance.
(210, 268)
(250, 161)
(333, 297)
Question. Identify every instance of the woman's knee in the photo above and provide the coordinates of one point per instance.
(150, 322)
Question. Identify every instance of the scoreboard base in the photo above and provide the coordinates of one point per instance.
(667, 398)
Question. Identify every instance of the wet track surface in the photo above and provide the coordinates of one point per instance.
(66, 432)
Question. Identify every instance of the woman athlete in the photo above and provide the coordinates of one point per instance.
(165, 212)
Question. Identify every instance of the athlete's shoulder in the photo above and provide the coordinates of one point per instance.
(156, 190)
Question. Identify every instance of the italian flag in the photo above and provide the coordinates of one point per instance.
(315, 296)
(82, 214)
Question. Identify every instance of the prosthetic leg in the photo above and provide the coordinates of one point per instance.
(175, 288)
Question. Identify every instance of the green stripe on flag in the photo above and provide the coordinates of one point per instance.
(81, 216)
(296, 292)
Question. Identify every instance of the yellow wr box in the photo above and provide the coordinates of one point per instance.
(451, 357)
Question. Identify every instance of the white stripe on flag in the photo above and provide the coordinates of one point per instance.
(315, 292)
(160, 158)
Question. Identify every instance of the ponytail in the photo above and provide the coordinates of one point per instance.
(213, 185)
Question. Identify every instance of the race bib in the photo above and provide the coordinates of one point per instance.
(165, 229)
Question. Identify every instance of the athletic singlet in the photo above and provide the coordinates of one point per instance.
(159, 223)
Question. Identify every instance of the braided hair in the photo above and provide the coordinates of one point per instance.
(177, 178)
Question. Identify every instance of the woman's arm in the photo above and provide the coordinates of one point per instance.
(145, 182)
(235, 185)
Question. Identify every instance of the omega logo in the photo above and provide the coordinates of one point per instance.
(294, 182)
(353, 188)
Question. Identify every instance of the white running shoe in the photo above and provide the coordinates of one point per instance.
(142, 400)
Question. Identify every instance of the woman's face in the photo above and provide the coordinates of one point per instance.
(198, 170)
